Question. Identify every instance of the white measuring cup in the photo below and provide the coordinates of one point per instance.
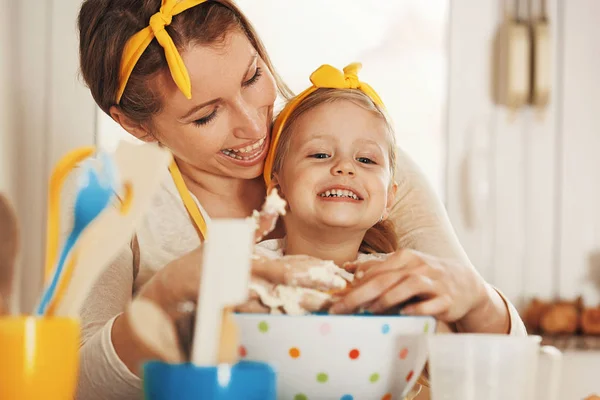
(488, 366)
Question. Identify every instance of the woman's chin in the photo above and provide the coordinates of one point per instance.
(250, 173)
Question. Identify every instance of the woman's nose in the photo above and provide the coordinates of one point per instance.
(250, 123)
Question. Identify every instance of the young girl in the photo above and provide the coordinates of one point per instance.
(333, 161)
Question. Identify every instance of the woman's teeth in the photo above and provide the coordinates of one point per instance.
(245, 153)
(340, 193)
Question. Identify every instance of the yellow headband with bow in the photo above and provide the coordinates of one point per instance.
(325, 76)
(137, 44)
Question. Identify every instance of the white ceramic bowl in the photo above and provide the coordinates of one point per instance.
(339, 357)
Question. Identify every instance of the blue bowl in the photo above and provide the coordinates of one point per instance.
(246, 380)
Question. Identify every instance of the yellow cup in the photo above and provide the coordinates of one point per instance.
(39, 358)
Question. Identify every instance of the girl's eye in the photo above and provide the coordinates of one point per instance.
(365, 160)
(320, 155)
(205, 120)
(254, 78)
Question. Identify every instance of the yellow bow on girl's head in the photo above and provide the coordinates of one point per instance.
(325, 76)
(137, 44)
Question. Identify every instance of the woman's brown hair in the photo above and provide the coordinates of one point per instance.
(382, 237)
(106, 25)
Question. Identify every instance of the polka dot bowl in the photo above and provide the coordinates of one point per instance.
(352, 357)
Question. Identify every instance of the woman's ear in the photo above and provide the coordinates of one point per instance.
(136, 129)
(391, 199)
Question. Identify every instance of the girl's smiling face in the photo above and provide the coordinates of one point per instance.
(337, 170)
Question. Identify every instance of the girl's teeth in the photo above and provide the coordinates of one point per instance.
(339, 193)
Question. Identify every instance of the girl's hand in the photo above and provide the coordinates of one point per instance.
(420, 284)
(300, 271)
(265, 224)
(306, 279)
(179, 281)
(266, 218)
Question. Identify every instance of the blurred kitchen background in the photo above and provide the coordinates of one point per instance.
(521, 182)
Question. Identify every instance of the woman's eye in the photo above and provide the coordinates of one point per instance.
(254, 78)
(365, 160)
(205, 120)
(319, 155)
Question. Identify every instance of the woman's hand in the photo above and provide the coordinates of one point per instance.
(176, 284)
(423, 285)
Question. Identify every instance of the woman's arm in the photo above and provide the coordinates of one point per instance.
(422, 224)
(102, 373)
(420, 218)
(111, 354)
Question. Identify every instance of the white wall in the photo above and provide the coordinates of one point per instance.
(7, 121)
(53, 113)
(7, 132)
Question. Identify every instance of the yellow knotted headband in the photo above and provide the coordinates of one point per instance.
(137, 44)
(325, 76)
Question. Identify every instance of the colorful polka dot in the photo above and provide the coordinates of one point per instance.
(403, 353)
(385, 329)
(387, 396)
(322, 377)
(263, 327)
(426, 329)
(374, 377)
(300, 396)
(242, 351)
(294, 352)
(325, 329)
(354, 354)
(347, 397)
(409, 376)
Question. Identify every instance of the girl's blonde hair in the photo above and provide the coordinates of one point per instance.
(382, 237)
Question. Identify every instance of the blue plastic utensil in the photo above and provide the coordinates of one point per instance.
(246, 380)
(93, 197)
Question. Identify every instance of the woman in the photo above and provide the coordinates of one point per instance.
(197, 79)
